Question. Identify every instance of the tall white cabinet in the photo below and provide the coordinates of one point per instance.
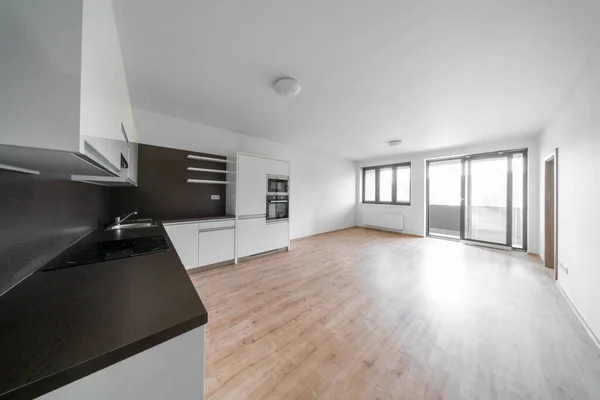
(254, 234)
(251, 205)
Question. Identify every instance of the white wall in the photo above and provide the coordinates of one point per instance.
(323, 187)
(414, 215)
(575, 131)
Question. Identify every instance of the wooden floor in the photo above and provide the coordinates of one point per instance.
(362, 314)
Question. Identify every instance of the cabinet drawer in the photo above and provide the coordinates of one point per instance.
(215, 246)
(209, 225)
(277, 235)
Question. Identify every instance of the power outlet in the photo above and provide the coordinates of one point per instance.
(215, 197)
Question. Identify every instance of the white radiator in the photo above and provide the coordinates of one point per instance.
(383, 220)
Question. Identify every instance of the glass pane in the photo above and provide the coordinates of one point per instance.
(518, 216)
(385, 184)
(369, 185)
(445, 198)
(403, 184)
(486, 194)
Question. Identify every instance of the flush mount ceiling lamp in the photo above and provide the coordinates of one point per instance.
(287, 87)
(394, 143)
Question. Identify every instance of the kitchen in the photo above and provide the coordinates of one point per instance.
(100, 230)
(116, 271)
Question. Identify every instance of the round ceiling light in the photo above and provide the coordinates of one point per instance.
(394, 143)
(287, 87)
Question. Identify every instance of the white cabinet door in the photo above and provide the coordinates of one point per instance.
(252, 185)
(215, 246)
(277, 235)
(185, 240)
(39, 74)
(251, 236)
(276, 167)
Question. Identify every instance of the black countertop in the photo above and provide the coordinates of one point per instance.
(61, 325)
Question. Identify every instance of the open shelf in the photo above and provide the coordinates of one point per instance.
(220, 160)
(208, 181)
(219, 171)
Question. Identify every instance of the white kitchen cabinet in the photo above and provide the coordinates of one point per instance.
(277, 235)
(277, 167)
(252, 236)
(127, 176)
(215, 246)
(185, 239)
(67, 95)
(252, 185)
(169, 370)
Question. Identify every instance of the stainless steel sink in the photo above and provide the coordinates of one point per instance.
(137, 221)
(133, 224)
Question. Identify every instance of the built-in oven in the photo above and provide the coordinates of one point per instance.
(277, 185)
(277, 207)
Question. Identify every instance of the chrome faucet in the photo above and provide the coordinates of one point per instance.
(120, 220)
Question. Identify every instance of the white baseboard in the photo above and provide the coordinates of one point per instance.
(379, 228)
(587, 327)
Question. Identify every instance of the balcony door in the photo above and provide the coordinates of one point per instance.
(444, 198)
(492, 207)
(487, 200)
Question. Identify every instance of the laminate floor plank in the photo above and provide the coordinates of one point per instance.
(364, 314)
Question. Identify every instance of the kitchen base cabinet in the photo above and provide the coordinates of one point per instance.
(277, 235)
(171, 370)
(185, 239)
(204, 242)
(215, 246)
(252, 236)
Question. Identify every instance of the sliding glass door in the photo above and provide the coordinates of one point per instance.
(479, 198)
(486, 199)
(444, 198)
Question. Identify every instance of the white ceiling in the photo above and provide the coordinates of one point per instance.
(432, 73)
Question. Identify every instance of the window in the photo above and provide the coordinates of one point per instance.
(387, 184)
(369, 190)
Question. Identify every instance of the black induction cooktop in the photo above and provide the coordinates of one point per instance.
(112, 250)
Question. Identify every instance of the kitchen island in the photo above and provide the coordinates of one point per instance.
(126, 328)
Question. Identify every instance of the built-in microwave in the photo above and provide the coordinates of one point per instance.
(277, 185)
(278, 207)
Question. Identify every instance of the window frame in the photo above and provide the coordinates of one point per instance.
(377, 169)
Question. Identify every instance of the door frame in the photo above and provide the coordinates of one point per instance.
(492, 154)
(552, 156)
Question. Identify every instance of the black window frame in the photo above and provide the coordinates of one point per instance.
(377, 169)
